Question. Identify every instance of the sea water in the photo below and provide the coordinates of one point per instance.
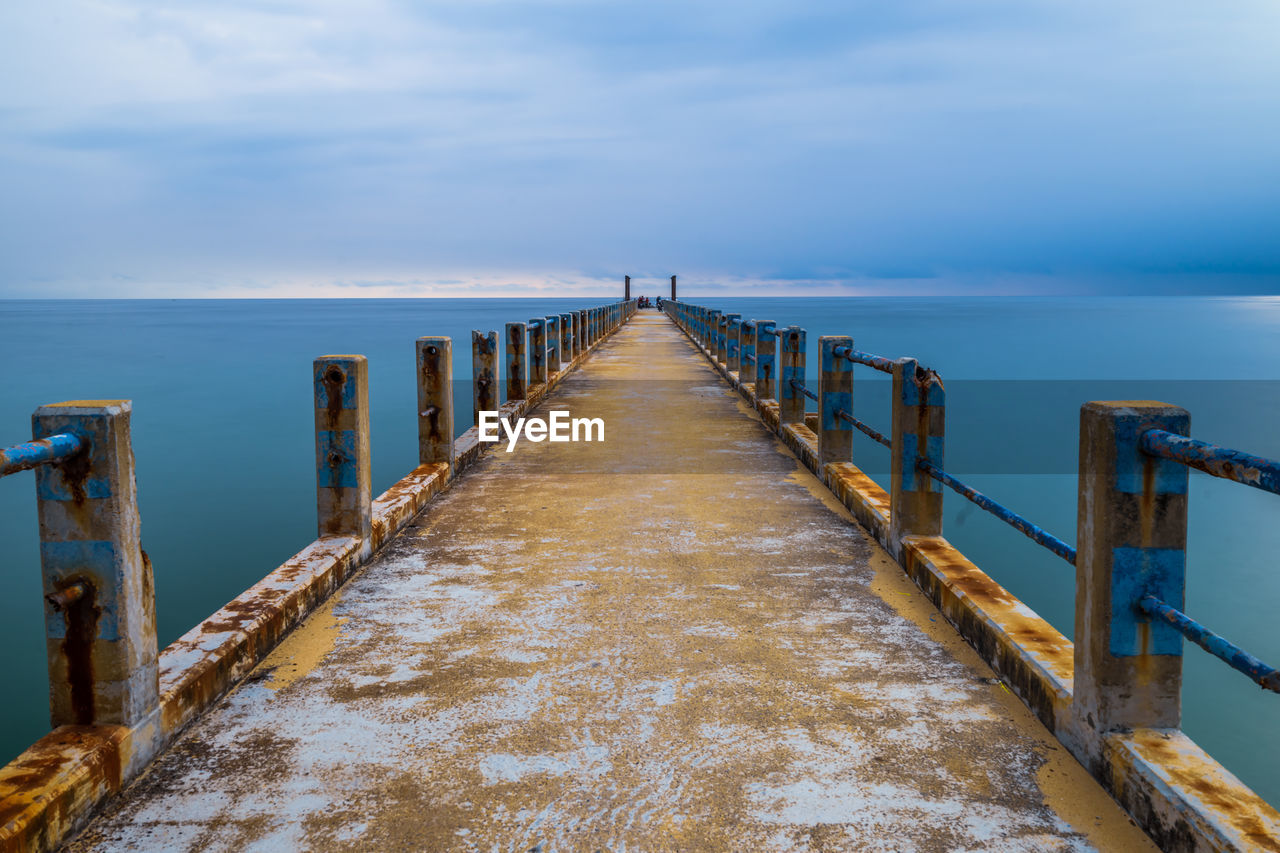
(223, 437)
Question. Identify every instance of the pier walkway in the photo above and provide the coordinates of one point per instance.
(674, 640)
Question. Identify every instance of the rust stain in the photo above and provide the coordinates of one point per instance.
(1223, 798)
(333, 380)
(80, 616)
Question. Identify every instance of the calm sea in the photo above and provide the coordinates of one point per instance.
(223, 439)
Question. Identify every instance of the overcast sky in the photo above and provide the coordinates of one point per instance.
(484, 147)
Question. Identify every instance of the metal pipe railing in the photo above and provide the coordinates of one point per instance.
(871, 433)
(1256, 471)
(31, 454)
(1035, 534)
(1267, 677)
(799, 386)
(884, 365)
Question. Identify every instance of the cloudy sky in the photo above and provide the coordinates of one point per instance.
(484, 147)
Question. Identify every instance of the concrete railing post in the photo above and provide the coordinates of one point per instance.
(553, 346)
(344, 492)
(537, 351)
(835, 393)
(919, 421)
(713, 334)
(484, 373)
(747, 357)
(100, 615)
(566, 339)
(766, 360)
(517, 364)
(733, 335)
(580, 331)
(791, 398)
(722, 338)
(705, 332)
(1132, 538)
(434, 356)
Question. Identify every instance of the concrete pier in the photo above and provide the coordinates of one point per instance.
(675, 639)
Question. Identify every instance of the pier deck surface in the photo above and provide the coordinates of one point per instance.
(674, 640)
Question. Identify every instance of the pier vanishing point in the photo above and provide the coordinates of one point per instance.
(709, 631)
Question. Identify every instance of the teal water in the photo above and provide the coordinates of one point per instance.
(223, 440)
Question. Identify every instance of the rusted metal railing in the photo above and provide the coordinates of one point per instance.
(1234, 465)
(46, 451)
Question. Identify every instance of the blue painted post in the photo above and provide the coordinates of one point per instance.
(733, 334)
(100, 617)
(517, 363)
(484, 373)
(919, 423)
(835, 394)
(747, 372)
(537, 351)
(722, 338)
(434, 359)
(766, 360)
(580, 332)
(566, 338)
(553, 345)
(790, 398)
(1131, 543)
(344, 493)
(713, 333)
(707, 324)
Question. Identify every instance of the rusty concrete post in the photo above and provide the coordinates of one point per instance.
(626, 288)
(673, 287)
(517, 369)
(1132, 538)
(553, 345)
(747, 356)
(733, 335)
(434, 359)
(344, 492)
(100, 613)
(766, 360)
(537, 351)
(713, 334)
(566, 338)
(593, 325)
(704, 329)
(580, 331)
(484, 373)
(919, 422)
(835, 394)
(790, 397)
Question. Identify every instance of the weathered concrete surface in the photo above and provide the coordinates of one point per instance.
(675, 640)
